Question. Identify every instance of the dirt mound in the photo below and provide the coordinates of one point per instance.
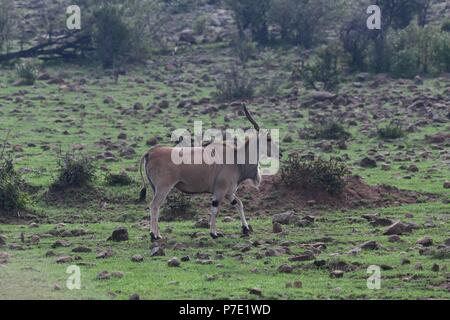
(357, 194)
(74, 197)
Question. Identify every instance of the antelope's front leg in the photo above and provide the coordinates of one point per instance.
(236, 202)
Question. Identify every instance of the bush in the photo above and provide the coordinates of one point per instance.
(236, 85)
(441, 52)
(414, 50)
(110, 34)
(446, 26)
(270, 89)
(302, 22)
(391, 132)
(252, 15)
(244, 47)
(330, 130)
(120, 179)
(12, 198)
(399, 13)
(27, 71)
(325, 68)
(74, 171)
(314, 174)
(200, 25)
(178, 207)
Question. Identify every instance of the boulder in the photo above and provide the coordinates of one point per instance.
(119, 234)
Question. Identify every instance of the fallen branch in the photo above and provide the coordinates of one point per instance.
(64, 47)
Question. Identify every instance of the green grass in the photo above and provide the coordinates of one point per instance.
(31, 274)
(87, 120)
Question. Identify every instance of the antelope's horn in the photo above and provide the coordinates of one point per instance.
(250, 118)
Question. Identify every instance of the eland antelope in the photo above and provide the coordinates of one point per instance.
(220, 180)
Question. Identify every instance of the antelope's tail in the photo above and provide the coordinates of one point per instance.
(143, 164)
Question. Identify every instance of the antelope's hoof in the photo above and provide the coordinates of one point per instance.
(154, 238)
(216, 236)
(246, 231)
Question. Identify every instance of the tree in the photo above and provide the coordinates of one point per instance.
(110, 34)
(303, 22)
(356, 38)
(6, 23)
(399, 13)
(252, 15)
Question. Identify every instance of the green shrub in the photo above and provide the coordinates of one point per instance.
(330, 130)
(313, 175)
(414, 50)
(27, 71)
(200, 24)
(325, 68)
(405, 63)
(119, 179)
(446, 26)
(244, 47)
(441, 52)
(12, 198)
(74, 171)
(391, 132)
(236, 85)
(270, 89)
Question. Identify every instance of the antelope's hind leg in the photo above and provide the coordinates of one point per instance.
(158, 199)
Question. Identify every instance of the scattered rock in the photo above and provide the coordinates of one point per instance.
(4, 258)
(425, 241)
(158, 252)
(56, 287)
(81, 249)
(119, 234)
(174, 262)
(323, 96)
(277, 228)
(435, 267)
(104, 275)
(337, 274)
(134, 297)
(404, 261)
(398, 228)
(104, 254)
(285, 218)
(202, 223)
(2, 240)
(64, 259)
(368, 163)
(370, 245)
(117, 274)
(256, 291)
(137, 258)
(285, 268)
(303, 257)
(394, 238)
